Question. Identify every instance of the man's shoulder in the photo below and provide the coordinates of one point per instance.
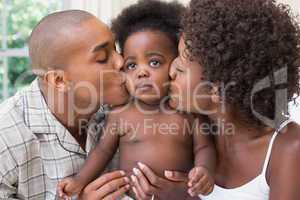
(11, 111)
(13, 129)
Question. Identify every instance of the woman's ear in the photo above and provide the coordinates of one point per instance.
(57, 79)
(215, 95)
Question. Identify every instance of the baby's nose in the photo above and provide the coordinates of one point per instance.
(143, 73)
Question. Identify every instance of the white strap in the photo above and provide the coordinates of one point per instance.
(267, 159)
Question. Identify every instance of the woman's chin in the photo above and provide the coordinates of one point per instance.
(174, 104)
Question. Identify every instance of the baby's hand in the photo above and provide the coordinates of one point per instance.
(200, 181)
(68, 188)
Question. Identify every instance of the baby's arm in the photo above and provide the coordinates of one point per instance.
(96, 161)
(201, 177)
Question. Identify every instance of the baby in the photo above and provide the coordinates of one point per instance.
(146, 130)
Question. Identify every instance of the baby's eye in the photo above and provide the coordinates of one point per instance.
(131, 66)
(154, 64)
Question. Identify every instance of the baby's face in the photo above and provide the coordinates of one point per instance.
(148, 56)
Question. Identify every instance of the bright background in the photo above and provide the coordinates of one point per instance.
(18, 17)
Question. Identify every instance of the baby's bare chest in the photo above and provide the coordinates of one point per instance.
(161, 127)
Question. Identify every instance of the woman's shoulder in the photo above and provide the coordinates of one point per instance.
(285, 161)
(286, 149)
(289, 137)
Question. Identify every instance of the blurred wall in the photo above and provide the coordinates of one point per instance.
(107, 9)
(295, 4)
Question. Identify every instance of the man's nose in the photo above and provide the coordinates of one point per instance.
(118, 61)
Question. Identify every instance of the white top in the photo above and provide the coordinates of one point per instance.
(294, 110)
(257, 189)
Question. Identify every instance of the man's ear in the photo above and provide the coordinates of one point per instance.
(215, 95)
(57, 79)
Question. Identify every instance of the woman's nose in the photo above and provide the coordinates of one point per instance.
(172, 72)
(118, 61)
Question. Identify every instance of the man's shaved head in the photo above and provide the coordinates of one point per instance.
(50, 39)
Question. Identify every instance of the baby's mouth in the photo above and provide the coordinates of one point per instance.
(144, 86)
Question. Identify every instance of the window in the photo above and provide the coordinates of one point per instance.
(18, 17)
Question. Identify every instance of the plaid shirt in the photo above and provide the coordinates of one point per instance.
(36, 151)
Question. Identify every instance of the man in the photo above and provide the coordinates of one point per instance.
(41, 135)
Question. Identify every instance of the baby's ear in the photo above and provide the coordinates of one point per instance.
(57, 79)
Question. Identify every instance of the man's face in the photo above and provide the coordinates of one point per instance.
(93, 67)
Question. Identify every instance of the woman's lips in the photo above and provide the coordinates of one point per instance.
(172, 90)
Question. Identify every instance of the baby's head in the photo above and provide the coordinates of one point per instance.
(148, 35)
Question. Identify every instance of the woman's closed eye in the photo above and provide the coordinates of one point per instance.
(179, 70)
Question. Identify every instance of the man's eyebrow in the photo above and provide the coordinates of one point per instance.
(100, 47)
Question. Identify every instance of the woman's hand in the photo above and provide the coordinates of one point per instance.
(109, 186)
(146, 184)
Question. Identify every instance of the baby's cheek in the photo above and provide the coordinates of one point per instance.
(130, 85)
(162, 88)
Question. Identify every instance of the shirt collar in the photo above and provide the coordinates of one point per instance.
(40, 120)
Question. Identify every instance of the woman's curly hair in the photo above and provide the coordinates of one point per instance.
(244, 42)
(149, 15)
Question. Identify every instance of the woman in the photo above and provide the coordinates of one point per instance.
(239, 64)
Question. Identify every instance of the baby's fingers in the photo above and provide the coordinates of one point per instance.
(204, 187)
(195, 176)
(60, 189)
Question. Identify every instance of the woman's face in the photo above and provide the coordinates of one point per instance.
(189, 91)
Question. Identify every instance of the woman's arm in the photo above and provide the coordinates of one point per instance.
(283, 172)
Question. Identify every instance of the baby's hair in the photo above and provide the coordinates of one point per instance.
(150, 15)
(245, 42)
